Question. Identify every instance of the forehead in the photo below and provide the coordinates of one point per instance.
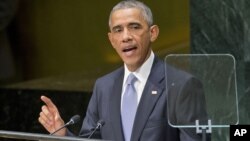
(126, 16)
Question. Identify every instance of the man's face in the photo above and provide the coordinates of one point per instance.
(131, 36)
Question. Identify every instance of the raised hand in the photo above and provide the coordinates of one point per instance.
(50, 117)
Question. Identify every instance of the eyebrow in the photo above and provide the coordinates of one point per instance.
(132, 23)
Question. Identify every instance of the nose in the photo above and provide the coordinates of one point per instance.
(126, 36)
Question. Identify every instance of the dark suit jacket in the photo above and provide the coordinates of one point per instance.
(151, 121)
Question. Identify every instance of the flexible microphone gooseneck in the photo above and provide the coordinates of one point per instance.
(73, 120)
(99, 125)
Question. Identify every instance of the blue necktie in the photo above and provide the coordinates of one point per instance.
(129, 107)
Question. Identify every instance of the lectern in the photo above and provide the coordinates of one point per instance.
(214, 103)
(38, 137)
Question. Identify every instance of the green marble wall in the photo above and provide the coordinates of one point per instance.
(222, 26)
(65, 36)
(61, 47)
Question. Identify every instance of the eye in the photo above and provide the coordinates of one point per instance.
(135, 26)
(117, 29)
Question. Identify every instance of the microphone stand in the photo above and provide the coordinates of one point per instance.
(73, 120)
(100, 123)
(60, 128)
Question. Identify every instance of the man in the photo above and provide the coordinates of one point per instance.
(131, 33)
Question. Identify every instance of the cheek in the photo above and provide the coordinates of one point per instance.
(115, 45)
(117, 49)
(113, 41)
(145, 42)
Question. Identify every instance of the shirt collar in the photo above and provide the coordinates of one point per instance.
(142, 72)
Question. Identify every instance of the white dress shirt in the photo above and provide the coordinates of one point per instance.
(142, 74)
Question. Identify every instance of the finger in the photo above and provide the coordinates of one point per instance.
(49, 103)
(48, 127)
(45, 118)
(43, 121)
(47, 113)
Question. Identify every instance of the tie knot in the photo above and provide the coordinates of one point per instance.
(131, 79)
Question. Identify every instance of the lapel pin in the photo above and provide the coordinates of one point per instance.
(154, 92)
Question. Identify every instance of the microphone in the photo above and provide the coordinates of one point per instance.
(99, 125)
(73, 120)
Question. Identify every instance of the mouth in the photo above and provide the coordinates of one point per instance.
(129, 49)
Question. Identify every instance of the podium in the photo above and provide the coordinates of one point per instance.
(210, 101)
(39, 137)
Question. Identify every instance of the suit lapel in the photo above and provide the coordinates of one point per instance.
(149, 98)
(115, 105)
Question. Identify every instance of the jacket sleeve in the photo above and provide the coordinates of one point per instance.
(92, 117)
(191, 106)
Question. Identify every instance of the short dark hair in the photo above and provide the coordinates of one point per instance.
(146, 11)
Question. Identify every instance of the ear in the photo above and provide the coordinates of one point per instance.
(154, 32)
(111, 39)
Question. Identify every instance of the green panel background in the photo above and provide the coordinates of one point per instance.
(58, 37)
